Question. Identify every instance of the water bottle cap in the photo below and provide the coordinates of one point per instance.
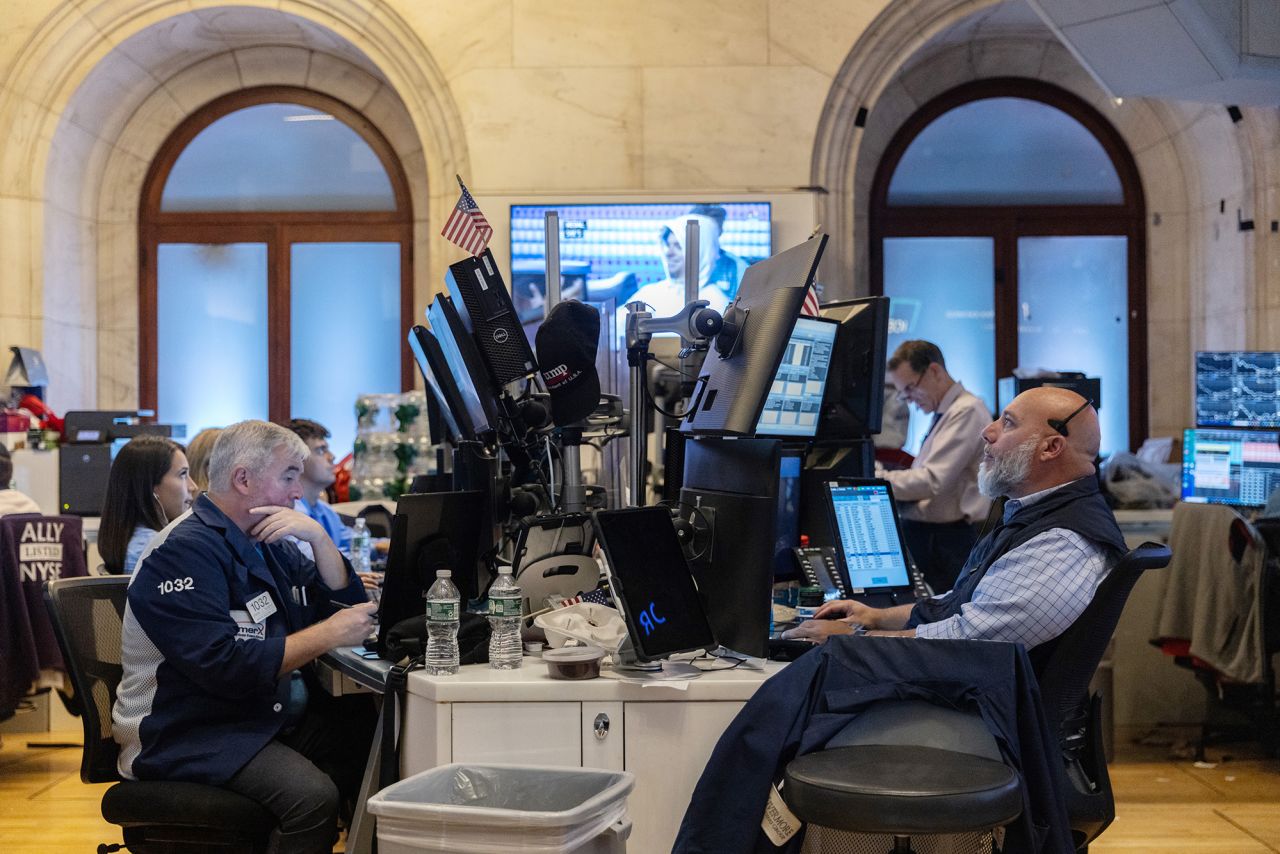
(444, 573)
(504, 569)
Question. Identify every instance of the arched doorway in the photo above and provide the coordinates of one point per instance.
(276, 264)
(1006, 222)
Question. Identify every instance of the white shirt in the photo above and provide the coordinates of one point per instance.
(942, 484)
(12, 501)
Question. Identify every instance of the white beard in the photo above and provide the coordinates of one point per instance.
(1006, 472)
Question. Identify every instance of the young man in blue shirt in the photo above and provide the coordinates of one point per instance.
(317, 476)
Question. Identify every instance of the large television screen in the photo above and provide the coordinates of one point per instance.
(1238, 467)
(636, 251)
(1238, 388)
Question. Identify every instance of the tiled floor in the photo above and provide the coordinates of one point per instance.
(1163, 805)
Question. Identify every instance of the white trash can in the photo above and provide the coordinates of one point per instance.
(493, 809)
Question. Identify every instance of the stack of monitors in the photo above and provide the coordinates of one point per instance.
(1232, 456)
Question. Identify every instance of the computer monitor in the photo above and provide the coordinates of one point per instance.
(1238, 388)
(854, 401)
(1225, 466)
(869, 551)
(651, 582)
(431, 531)
(735, 381)
(795, 399)
(491, 318)
(464, 364)
(442, 385)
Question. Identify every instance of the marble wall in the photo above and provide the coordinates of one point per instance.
(571, 97)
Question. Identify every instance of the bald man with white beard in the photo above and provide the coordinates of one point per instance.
(1030, 578)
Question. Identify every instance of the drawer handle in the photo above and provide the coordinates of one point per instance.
(601, 726)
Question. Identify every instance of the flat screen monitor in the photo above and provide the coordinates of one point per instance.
(486, 309)
(870, 546)
(652, 583)
(1225, 466)
(1238, 388)
(431, 531)
(635, 251)
(464, 363)
(854, 402)
(735, 380)
(795, 399)
(441, 384)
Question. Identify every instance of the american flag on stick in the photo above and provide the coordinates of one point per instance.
(810, 308)
(466, 226)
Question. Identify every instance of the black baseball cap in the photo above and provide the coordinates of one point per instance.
(567, 342)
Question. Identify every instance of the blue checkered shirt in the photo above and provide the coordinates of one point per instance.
(1032, 593)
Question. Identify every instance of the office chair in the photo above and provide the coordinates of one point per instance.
(917, 770)
(156, 817)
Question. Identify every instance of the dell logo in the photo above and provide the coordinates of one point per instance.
(500, 336)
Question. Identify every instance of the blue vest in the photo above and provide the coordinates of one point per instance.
(1078, 507)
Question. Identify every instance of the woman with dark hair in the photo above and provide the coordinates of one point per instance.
(149, 486)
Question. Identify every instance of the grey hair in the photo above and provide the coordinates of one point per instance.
(250, 444)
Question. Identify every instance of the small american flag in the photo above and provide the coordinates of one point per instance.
(467, 227)
(810, 307)
(599, 596)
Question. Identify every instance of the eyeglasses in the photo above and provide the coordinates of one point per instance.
(1060, 424)
(905, 392)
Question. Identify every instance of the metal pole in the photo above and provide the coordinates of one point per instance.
(639, 439)
(573, 497)
(691, 255)
(552, 251)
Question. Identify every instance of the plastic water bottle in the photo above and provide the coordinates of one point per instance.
(361, 547)
(506, 651)
(443, 606)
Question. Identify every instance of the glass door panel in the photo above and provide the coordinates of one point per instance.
(1073, 316)
(942, 289)
(211, 325)
(345, 330)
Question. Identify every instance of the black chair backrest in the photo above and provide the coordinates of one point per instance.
(88, 615)
(1064, 678)
(378, 519)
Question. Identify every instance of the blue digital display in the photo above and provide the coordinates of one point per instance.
(869, 536)
(1237, 467)
(795, 398)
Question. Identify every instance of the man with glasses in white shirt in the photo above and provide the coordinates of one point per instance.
(940, 505)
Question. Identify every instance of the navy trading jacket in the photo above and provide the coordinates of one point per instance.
(204, 629)
(802, 708)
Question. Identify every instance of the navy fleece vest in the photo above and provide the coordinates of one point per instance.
(1078, 507)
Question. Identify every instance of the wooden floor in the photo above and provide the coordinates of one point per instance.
(1163, 804)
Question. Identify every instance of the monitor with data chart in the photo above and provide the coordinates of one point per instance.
(1225, 466)
(1238, 388)
(652, 583)
(869, 536)
(795, 399)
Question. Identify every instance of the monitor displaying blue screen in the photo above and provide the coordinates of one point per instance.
(869, 537)
(635, 251)
(1238, 388)
(795, 398)
(444, 334)
(1221, 466)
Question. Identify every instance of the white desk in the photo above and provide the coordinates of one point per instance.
(664, 735)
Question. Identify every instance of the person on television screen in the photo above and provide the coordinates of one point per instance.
(222, 618)
(719, 271)
(1033, 574)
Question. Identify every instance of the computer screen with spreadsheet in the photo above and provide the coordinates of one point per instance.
(1222, 466)
(795, 398)
(870, 539)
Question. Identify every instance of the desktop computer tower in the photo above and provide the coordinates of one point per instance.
(82, 478)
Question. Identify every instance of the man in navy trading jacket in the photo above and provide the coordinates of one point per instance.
(1030, 578)
(221, 616)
